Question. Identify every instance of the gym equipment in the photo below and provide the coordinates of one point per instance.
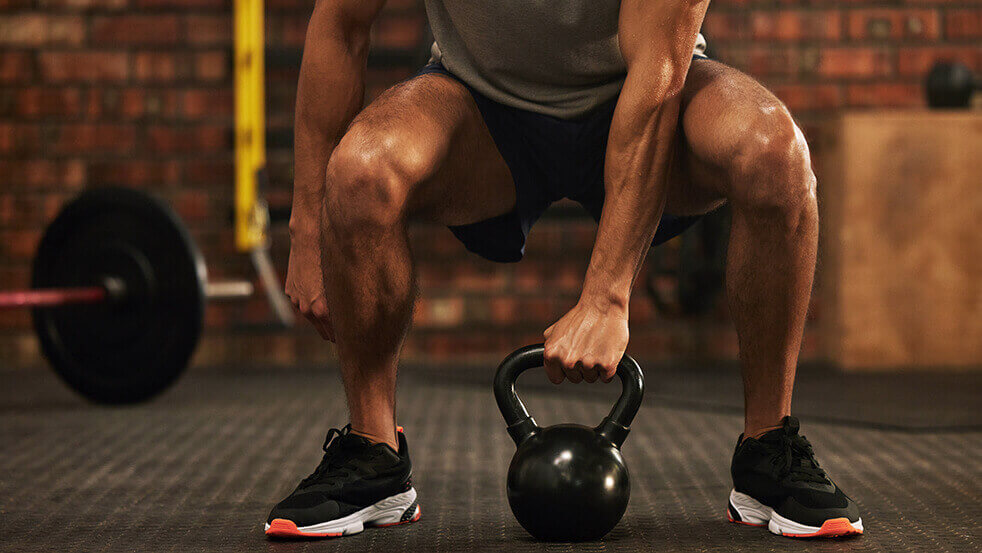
(567, 482)
(950, 85)
(118, 295)
(250, 213)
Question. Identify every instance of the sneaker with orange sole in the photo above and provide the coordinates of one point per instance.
(778, 483)
(357, 484)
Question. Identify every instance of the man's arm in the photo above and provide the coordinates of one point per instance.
(330, 92)
(656, 39)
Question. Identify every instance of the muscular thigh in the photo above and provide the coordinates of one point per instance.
(429, 133)
(721, 107)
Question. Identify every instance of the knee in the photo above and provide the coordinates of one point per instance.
(369, 179)
(771, 169)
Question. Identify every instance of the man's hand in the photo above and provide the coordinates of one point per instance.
(330, 92)
(588, 342)
(305, 280)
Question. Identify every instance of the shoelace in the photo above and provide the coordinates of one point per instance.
(797, 460)
(334, 454)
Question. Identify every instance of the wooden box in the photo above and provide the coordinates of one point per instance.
(900, 262)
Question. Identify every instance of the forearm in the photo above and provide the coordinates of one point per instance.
(656, 39)
(639, 155)
(330, 92)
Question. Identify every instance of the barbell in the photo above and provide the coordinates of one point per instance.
(118, 294)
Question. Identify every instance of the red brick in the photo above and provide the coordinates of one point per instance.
(16, 67)
(641, 311)
(189, 4)
(963, 24)
(208, 172)
(46, 102)
(894, 24)
(504, 310)
(210, 103)
(764, 61)
(131, 103)
(209, 29)
(885, 95)
(54, 202)
(290, 5)
(19, 139)
(35, 29)
(211, 66)
(18, 276)
(398, 32)
(807, 97)
(287, 30)
(939, 3)
(83, 66)
(160, 66)
(19, 244)
(796, 25)
(854, 62)
(193, 205)
(200, 139)
(137, 173)
(95, 138)
(727, 25)
(12, 5)
(43, 173)
(123, 30)
(20, 210)
(84, 4)
(439, 312)
(917, 61)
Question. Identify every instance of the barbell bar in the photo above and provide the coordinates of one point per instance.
(56, 297)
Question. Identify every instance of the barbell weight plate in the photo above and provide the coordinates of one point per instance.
(131, 349)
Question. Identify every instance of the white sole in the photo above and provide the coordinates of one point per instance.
(396, 509)
(754, 513)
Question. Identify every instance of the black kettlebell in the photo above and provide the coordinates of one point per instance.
(949, 85)
(567, 482)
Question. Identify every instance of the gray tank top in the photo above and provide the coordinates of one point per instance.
(557, 57)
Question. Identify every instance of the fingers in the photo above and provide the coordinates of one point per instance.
(318, 314)
(322, 316)
(553, 365)
(589, 371)
(607, 373)
(554, 370)
(572, 373)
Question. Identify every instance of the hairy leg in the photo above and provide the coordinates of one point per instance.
(742, 146)
(421, 150)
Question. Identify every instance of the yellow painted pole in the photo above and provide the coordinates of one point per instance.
(251, 219)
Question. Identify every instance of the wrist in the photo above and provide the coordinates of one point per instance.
(605, 298)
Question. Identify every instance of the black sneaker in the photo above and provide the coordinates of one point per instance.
(357, 484)
(777, 482)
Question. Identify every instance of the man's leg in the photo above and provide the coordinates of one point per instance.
(741, 145)
(421, 150)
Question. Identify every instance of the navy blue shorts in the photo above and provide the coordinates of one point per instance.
(550, 159)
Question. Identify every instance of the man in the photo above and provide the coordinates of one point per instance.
(526, 102)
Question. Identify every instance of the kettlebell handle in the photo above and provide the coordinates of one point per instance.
(521, 426)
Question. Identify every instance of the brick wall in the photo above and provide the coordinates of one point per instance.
(822, 55)
(138, 93)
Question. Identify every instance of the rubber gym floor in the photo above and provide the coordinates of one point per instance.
(198, 468)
